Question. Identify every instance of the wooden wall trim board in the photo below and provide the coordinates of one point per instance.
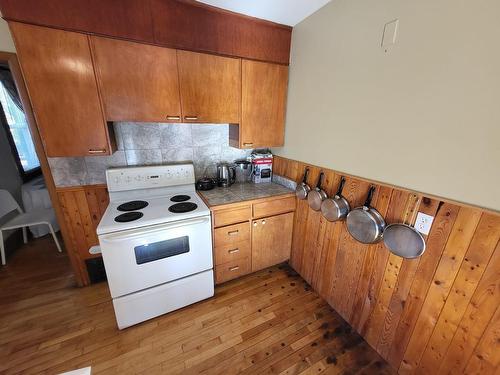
(435, 314)
(179, 24)
(82, 209)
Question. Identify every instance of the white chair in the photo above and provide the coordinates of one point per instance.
(22, 220)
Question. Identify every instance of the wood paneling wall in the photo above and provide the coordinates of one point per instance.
(82, 209)
(437, 314)
(180, 24)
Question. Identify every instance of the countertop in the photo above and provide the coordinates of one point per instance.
(240, 192)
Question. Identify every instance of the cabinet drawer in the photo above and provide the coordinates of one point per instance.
(232, 270)
(231, 252)
(232, 216)
(274, 207)
(232, 234)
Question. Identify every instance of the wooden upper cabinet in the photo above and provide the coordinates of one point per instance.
(264, 92)
(271, 240)
(138, 82)
(210, 88)
(57, 67)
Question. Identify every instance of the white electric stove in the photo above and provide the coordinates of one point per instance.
(156, 242)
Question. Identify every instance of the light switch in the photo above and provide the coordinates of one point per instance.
(424, 223)
(390, 34)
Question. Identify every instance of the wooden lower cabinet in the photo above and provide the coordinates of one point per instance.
(232, 270)
(271, 240)
(251, 236)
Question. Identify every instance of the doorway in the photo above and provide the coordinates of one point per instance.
(20, 168)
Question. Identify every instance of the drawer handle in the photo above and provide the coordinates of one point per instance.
(233, 232)
(235, 268)
(173, 117)
(97, 151)
(191, 118)
(248, 144)
(232, 251)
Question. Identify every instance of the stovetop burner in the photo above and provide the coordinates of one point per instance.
(128, 216)
(180, 198)
(132, 206)
(183, 207)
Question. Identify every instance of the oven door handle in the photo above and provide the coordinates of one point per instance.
(141, 232)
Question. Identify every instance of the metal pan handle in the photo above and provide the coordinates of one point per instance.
(320, 181)
(341, 187)
(306, 173)
(369, 197)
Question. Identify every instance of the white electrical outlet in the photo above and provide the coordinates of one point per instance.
(390, 34)
(424, 223)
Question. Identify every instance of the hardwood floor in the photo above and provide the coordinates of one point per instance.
(270, 322)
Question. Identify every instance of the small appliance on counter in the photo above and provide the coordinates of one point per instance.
(243, 170)
(206, 183)
(226, 174)
(262, 166)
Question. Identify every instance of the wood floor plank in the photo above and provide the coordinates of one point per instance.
(267, 322)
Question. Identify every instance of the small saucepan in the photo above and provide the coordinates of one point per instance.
(365, 223)
(404, 240)
(317, 195)
(337, 207)
(303, 188)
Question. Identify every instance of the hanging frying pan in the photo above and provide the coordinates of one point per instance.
(303, 188)
(337, 207)
(365, 223)
(317, 195)
(404, 240)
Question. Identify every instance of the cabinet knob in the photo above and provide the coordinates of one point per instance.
(173, 117)
(254, 223)
(191, 118)
(97, 151)
(263, 222)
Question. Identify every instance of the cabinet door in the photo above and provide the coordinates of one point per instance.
(57, 67)
(271, 240)
(210, 87)
(264, 88)
(138, 82)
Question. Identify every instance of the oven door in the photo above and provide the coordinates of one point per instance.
(141, 258)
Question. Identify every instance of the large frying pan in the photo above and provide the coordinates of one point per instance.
(303, 188)
(404, 240)
(317, 195)
(365, 223)
(337, 207)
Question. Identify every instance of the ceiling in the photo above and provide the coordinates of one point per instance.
(287, 12)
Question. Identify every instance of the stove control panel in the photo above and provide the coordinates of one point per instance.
(147, 177)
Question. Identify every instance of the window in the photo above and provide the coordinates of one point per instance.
(19, 136)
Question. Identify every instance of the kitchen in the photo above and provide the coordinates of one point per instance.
(259, 197)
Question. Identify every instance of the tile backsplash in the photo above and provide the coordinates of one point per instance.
(148, 144)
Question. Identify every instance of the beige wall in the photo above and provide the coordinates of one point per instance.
(6, 42)
(425, 115)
